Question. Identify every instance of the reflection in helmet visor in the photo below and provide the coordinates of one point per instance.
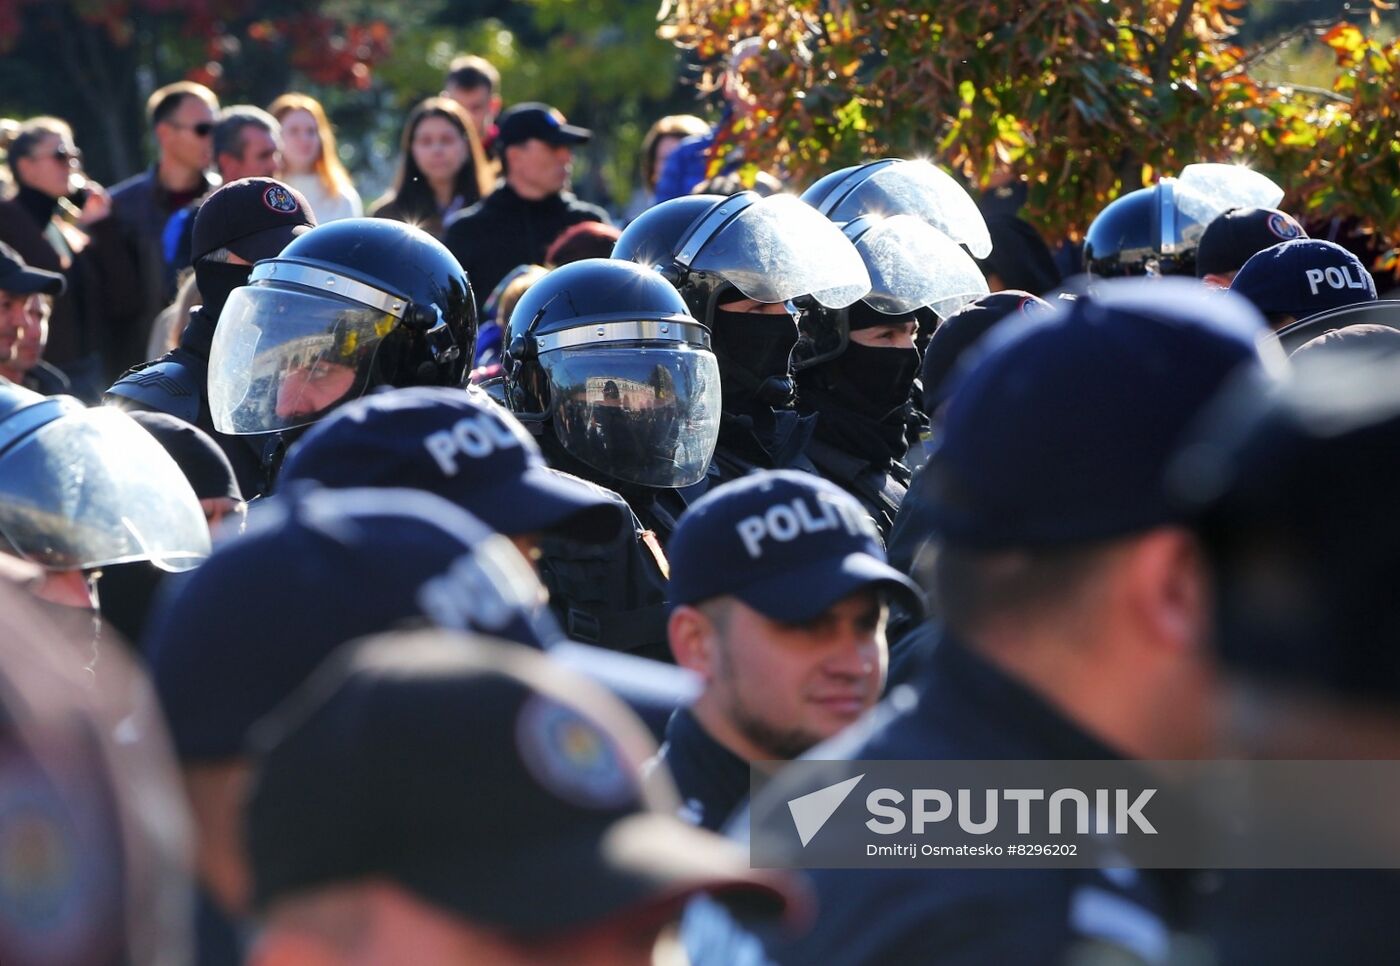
(93, 488)
(644, 415)
(283, 358)
(924, 190)
(780, 248)
(912, 265)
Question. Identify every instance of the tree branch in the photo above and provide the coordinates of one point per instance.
(1172, 41)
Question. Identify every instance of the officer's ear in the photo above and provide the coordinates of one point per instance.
(691, 635)
(1164, 574)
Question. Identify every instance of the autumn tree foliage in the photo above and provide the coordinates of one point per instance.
(1083, 99)
(95, 61)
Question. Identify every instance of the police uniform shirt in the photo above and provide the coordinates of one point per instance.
(968, 709)
(711, 779)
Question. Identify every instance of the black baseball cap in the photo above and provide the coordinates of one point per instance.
(16, 275)
(487, 780)
(460, 445)
(786, 543)
(522, 122)
(255, 218)
(204, 464)
(1232, 238)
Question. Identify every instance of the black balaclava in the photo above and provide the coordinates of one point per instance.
(862, 396)
(754, 352)
(216, 281)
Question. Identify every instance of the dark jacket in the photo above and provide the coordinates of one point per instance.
(711, 779)
(504, 230)
(78, 324)
(612, 595)
(141, 207)
(879, 489)
(968, 709)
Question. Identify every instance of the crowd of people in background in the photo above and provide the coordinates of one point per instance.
(439, 567)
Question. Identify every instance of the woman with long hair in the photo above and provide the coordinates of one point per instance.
(310, 163)
(442, 168)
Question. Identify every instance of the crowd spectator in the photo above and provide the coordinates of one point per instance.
(587, 239)
(58, 220)
(181, 117)
(442, 168)
(475, 84)
(702, 156)
(661, 139)
(309, 160)
(516, 223)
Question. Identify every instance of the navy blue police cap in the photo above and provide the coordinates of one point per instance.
(1061, 430)
(459, 445)
(315, 569)
(786, 543)
(1304, 277)
(486, 779)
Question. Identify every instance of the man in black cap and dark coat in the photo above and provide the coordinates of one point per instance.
(241, 223)
(516, 223)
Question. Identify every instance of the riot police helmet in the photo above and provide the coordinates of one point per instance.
(347, 306)
(915, 270)
(770, 250)
(607, 353)
(894, 186)
(85, 488)
(1156, 230)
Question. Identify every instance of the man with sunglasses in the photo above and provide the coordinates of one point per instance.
(181, 116)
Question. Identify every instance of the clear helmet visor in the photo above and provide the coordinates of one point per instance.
(779, 249)
(925, 191)
(284, 357)
(913, 265)
(1206, 191)
(644, 415)
(93, 488)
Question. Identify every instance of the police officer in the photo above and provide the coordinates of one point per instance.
(314, 570)
(779, 590)
(1074, 606)
(499, 815)
(1294, 496)
(1236, 236)
(84, 488)
(857, 371)
(1294, 280)
(241, 223)
(1155, 231)
(606, 364)
(605, 584)
(737, 262)
(951, 346)
(353, 304)
(895, 186)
